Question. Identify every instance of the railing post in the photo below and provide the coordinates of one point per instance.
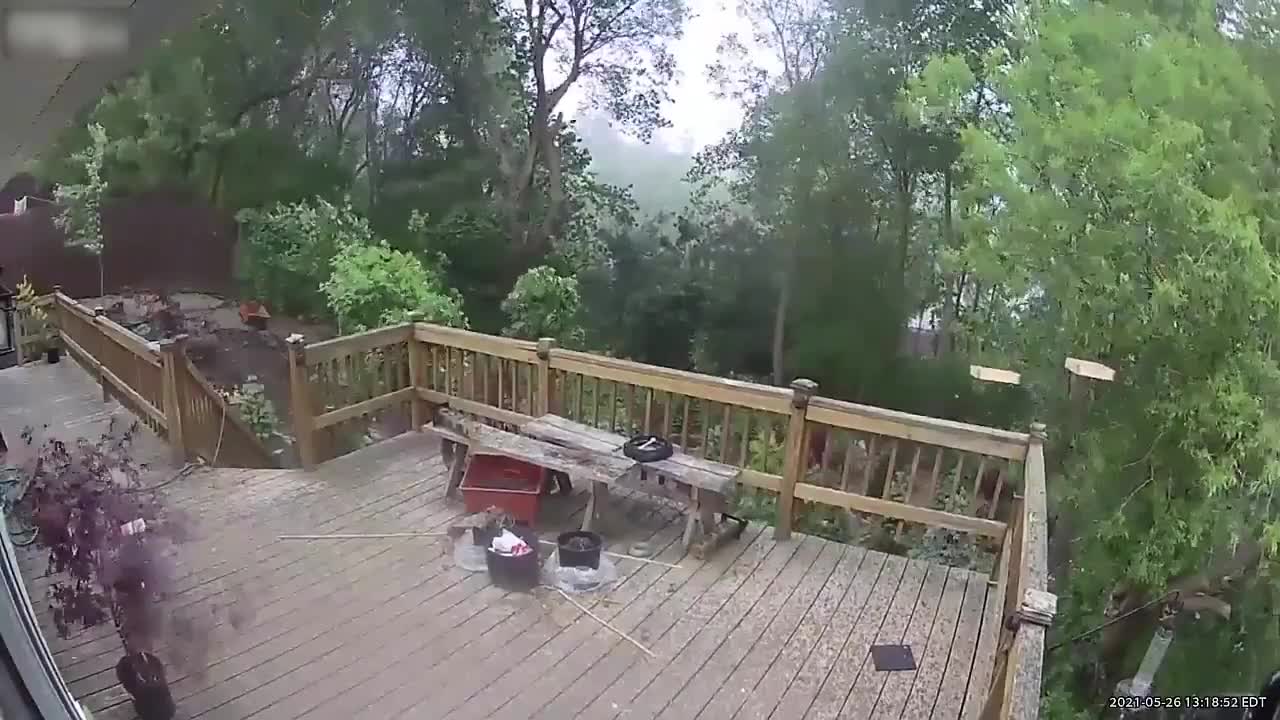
(99, 315)
(300, 401)
(802, 391)
(20, 313)
(417, 406)
(172, 354)
(543, 402)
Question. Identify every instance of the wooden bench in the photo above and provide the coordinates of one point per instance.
(462, 438)
(701, 487)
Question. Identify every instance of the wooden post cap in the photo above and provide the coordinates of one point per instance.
(544, 348)
(802, 390)
(170, 344)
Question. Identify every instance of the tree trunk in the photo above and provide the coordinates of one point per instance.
(780, 313)
(948, 300)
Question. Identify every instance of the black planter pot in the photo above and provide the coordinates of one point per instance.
(512, 572)
(53, 355)
(142, 675)
(570, 557)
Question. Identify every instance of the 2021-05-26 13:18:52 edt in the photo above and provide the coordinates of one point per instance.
(1187, 702)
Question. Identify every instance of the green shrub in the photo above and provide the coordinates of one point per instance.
(373, 285)
(287, 251)
(257, 410)
(544, 304)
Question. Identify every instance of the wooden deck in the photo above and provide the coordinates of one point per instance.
(376, 629)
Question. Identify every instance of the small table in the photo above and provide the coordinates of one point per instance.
(702, 487)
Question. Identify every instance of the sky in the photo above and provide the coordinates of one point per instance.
(698, 118)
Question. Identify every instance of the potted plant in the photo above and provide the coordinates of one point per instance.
(107, 540)
(53, 347)
(39, 319)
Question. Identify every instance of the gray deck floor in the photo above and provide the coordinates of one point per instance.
(376, 629)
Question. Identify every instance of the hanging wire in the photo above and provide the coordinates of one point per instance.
(1113, 621)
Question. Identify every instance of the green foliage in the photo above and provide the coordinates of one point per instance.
(544, 304)
(288, 250)
(373, 285)
(1120, 212)
(257, 410)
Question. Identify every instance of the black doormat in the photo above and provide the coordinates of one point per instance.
(892, 657)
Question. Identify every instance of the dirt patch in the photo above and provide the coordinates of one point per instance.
(228, 352)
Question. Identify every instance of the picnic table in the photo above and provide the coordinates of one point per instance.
(703, 488)
(580, 453)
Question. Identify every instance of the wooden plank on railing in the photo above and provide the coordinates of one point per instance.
(115, 331)
(122, 387)
(706, 387)
(918, 428)
(365, 407)
(877, 506)
(471, 407)
(362, 342)
(509, 348)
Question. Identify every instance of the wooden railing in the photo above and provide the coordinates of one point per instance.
(917, 471)
(157, 382)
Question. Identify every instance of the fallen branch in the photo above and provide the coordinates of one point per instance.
(627, 557)
(368, 536)
(611, 628)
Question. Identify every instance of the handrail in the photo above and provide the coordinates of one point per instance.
(159, 384)
(1016, 684)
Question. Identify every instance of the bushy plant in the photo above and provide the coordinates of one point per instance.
(257, 410)
(373, 285)
(107, 540)
(544, 304)
(288, 250)
(36, 317)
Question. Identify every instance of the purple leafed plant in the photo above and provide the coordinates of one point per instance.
(109, 542)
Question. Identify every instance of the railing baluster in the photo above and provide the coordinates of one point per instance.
(848, 461)
(889, 471)
(977, 484)
(613, 407)
(726, 431)
(684, 424)
(873, 461)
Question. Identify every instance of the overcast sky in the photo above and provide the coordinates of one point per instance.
(698, 118)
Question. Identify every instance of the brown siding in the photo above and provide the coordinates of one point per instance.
(156, 242)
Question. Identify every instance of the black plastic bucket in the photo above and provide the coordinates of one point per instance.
(142, 675)
(515, 572)
(578, 557)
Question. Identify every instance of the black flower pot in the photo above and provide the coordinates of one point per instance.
(579, 548)
(142, 675)
(53, 355)
(515, 573)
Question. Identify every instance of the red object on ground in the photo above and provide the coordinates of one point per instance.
(254, 314)
(510, 485)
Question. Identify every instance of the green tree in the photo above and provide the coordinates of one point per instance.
(81, 216)
(373, 285)
(1120, 211)
(544, 304)
(287, 251)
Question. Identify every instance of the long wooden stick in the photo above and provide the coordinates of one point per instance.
(611, 628)
(363, 536)
(627, 557)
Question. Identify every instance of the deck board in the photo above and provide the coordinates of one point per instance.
(924, 687)
(378, 628)
(893, 694)
(866, 690)
(956, 679)
(731, 694)
(598, 667)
